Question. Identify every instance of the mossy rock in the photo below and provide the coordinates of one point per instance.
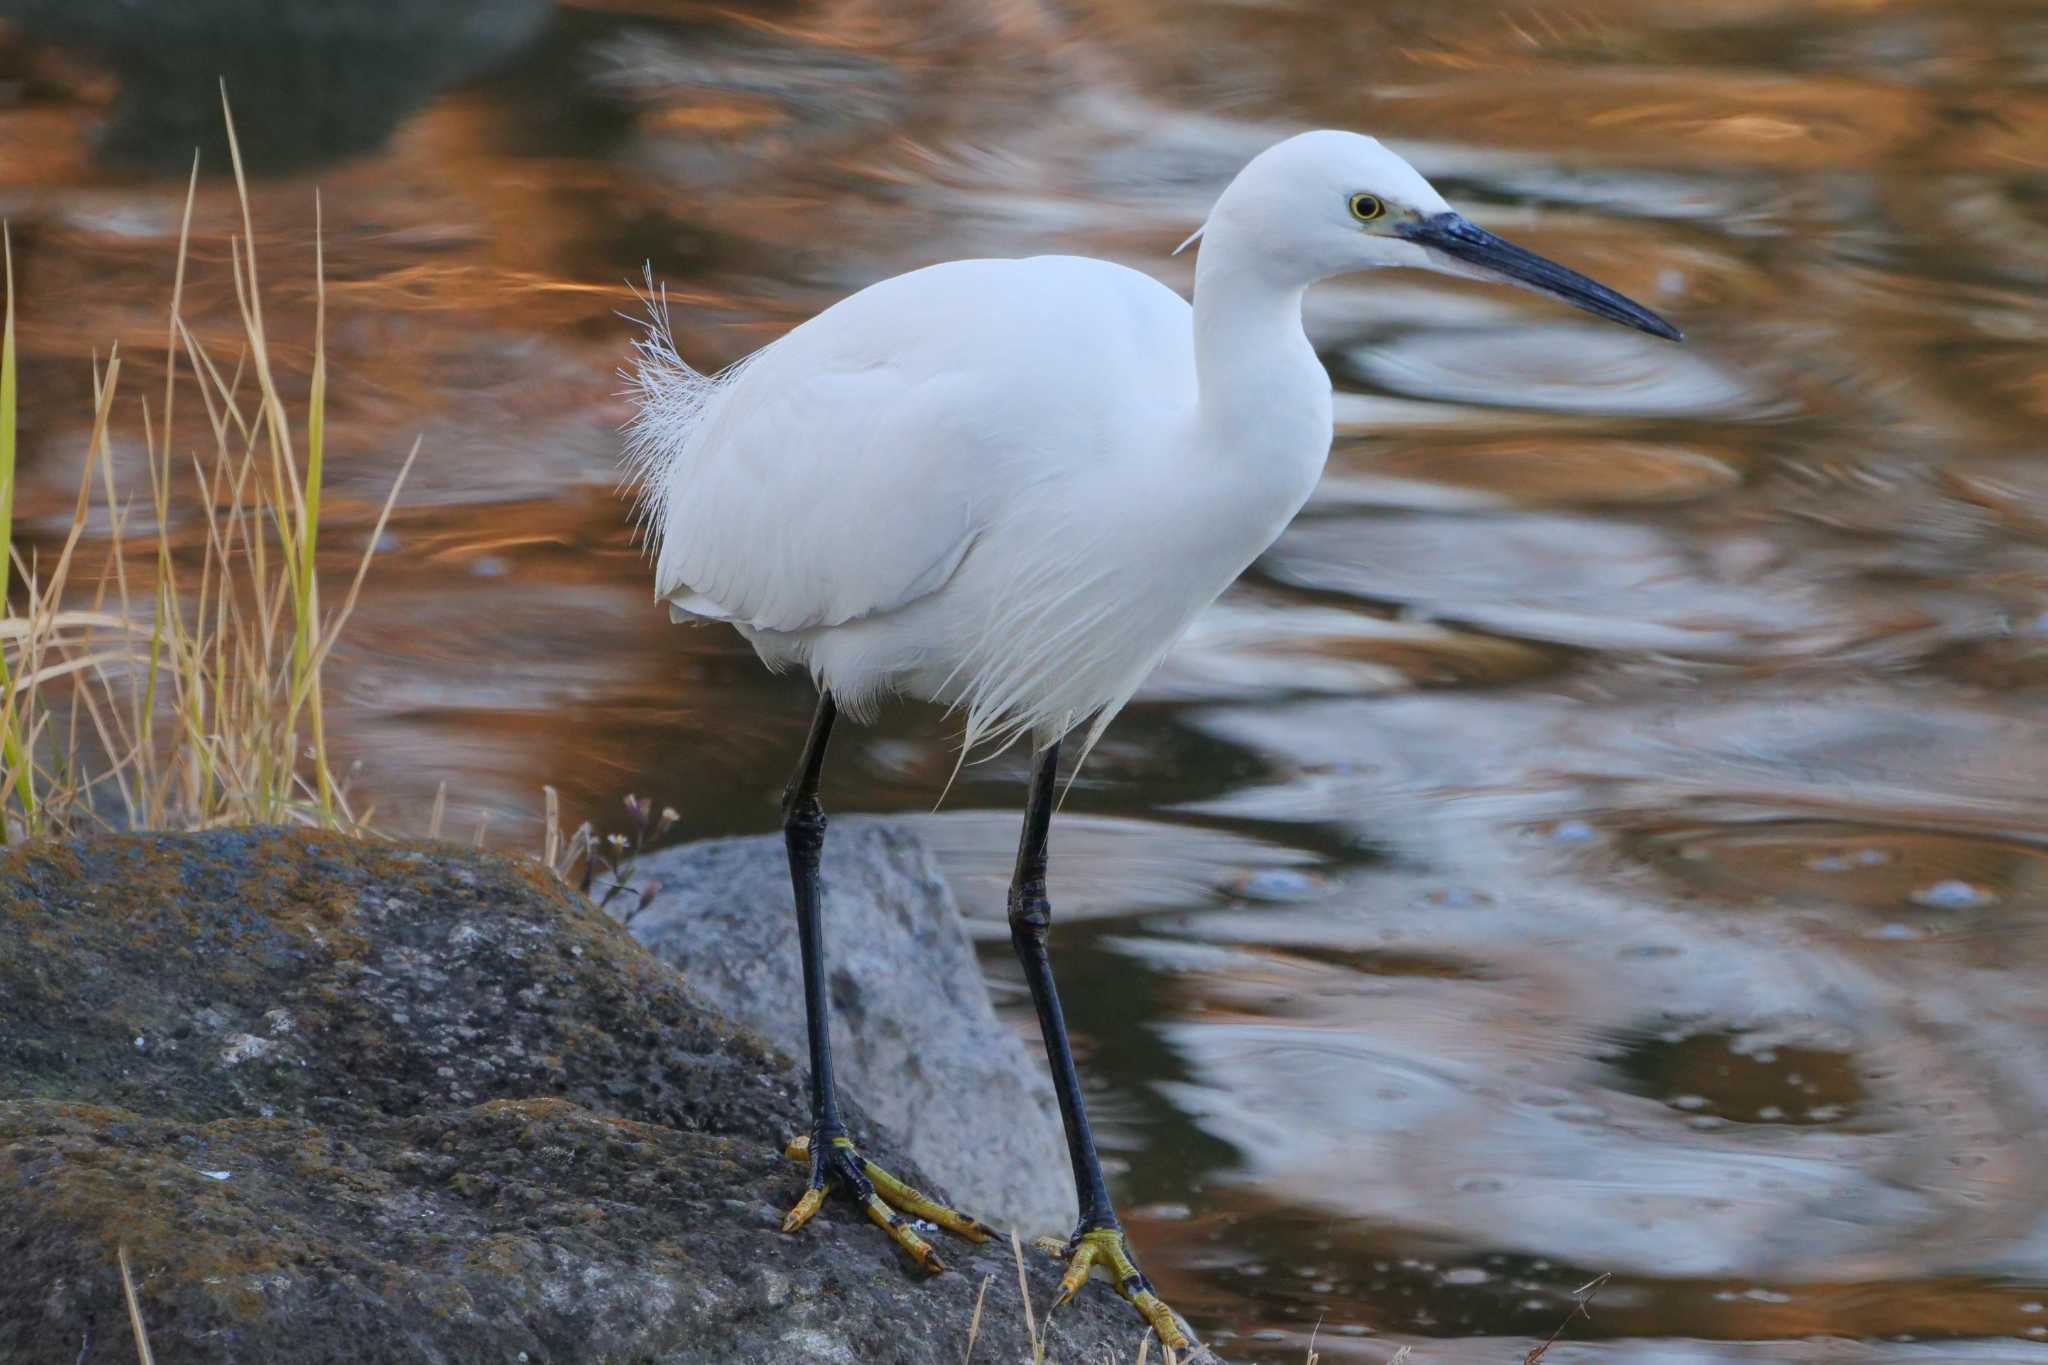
(349, 1100)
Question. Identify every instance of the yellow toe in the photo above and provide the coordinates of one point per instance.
(812, 1201)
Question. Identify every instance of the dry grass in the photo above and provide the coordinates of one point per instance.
(141, 1333)
(158, 692)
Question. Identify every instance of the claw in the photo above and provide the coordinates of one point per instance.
(813, 1200)
(1077, 1273)
(889, 1203)
(1107, 1247)
(898, 1227)
(918, 1204)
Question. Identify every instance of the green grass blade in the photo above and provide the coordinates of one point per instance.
(309, 530)
(13, 711)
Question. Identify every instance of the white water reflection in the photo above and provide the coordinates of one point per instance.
(1559, 366)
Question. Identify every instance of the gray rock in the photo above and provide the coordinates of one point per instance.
(485, 1125)
(914, 1036)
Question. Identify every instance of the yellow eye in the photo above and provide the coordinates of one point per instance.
(1365, 207)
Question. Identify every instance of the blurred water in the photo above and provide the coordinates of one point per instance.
(1606, 835)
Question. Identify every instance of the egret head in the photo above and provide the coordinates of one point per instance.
(1329, 203)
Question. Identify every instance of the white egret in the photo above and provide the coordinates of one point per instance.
(1007, 486)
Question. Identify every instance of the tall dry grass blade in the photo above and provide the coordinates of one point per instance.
(118, 739)
(159, 460)
(440, 811)
(1024, 1291)
(974, 1323)
(142, 1351)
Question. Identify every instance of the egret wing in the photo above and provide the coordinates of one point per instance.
(814, 494)
(847, 469)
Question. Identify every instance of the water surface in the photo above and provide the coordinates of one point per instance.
(1605, 836)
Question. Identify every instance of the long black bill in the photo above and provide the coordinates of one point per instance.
(1466, 242)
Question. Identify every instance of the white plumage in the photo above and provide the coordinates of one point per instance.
(1009, 485)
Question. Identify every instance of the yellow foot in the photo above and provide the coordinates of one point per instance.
(885, 1199)
(1106, 1247)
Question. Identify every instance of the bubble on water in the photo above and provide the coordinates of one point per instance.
(2031, 1306)
(1953, 894)
(1466, 1274)
(1761, 1295)
(1895, 932)
(1688, 1102)
(1278, 884)
(1572, 832)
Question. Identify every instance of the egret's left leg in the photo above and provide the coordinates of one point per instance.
(1098, 1240)
(827, 1152)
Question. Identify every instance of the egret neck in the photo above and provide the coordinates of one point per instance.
(1264, 396)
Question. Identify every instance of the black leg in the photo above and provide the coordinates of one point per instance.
(1030, 921)
(827, 1151)
(803, 830)
(1099, 1239)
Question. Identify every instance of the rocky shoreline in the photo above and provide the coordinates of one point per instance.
(342, 1099)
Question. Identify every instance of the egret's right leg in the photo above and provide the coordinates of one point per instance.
(1099, 1239)
(827, 1150)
